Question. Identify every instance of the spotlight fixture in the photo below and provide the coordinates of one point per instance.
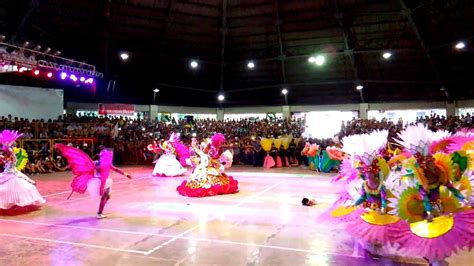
(58, 53)
(156, 90)
(37, 72)
(319, 60)
(37, 48)
(25, 44)
(89, 80)
(250, 64)
(63, 75)
(22, 69)
(124, 56)
(82, 79)
(73, 77)
(284, 91)
(220, 97)
(387, 55)
(460, 45)
(312, 59)
(359, 87)
(194, 64)
(47, 50)
(49, 75)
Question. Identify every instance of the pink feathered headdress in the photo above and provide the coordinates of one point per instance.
(217, 140)
(8, 137)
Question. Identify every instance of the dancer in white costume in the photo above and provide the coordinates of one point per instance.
(17, 191)
(167, 164)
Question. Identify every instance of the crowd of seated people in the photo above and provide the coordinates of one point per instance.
(129, 138)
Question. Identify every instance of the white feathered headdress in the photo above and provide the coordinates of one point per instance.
(365, 147)
(418, 138)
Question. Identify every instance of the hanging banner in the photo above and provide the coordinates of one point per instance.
(116, 109)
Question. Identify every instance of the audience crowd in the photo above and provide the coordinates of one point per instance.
(129, 138)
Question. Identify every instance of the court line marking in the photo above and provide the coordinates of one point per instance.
(73, 243)
(210, 219)
(116, 183)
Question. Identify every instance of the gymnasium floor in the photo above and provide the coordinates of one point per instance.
(150, 224)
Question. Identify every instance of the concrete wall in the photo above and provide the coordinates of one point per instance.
(363, 108)
(31, 102)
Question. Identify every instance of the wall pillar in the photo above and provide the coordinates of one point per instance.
(153, 112)
(363, 111)
(220, 114)
(286, 112)
(451, 109)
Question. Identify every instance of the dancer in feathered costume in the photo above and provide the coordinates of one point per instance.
(330, 159)
(440, 219)
(311, 151)
(91, 176)
(208, 177)
(365, 171)
(17, 191)
(167, 164)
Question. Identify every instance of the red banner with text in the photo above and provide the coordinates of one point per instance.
(116, 109)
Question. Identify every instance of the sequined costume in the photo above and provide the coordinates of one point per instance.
(208, 177)
(17, 191)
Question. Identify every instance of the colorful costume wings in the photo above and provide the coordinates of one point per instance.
(83, 167)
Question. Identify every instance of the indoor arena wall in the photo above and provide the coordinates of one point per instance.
(31, 102)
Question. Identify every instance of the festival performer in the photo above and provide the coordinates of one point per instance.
(17, 191)
(91, 176)
(208, 177)
(362, 207)
(435, 195)
(330, 159)
(311, 151)
(167, 164)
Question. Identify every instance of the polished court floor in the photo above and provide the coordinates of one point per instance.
(150, 224)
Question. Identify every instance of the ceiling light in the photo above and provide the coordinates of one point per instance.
(387, 55)
(319, 60)
(124, 56)
(220, 97)
(460, 45)
(194, 64)
(250, 65)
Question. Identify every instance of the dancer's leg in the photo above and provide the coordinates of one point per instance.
(103, 201)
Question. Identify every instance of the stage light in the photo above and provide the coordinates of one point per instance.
(460, 45)
(58, 53)
(124, 56)
(89, 81)
(156, 90)
(387, 55)
(194, 64)
(47, 50)
(49, 75)
(63, 75)
(82, 79)
(37, 72)
(312, 59)
(25, 44)
(220, 97)
(194, 134)
(359, 87)
(21, 69)
(5, 67)
(250, 65)
(284, 91)
(2, 37)
(37, 48)
(319, 60)
(73, 77)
